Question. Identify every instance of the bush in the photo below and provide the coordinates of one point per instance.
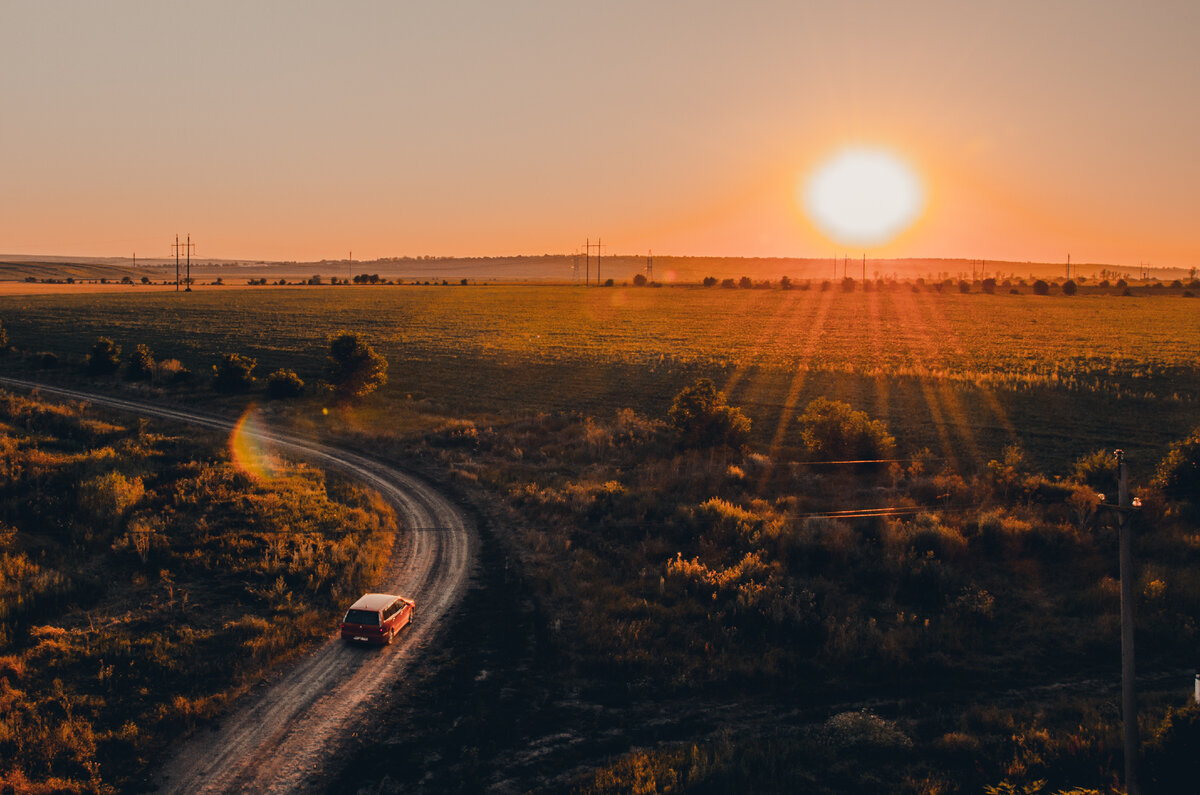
(785, 283)
(104, 358)
(709, 281)
(140, 365)
(234, 373)
(701, 417)
(745, 283)
(1099, 471)
(989, 286)
(639, 280)
(1171, 753)
(283, 384)
(45, 361)
(355, 370)
(1041, 288)
(728, 284)
(964, 286)
(1178, 474)
(833, 431)
(1069, 287)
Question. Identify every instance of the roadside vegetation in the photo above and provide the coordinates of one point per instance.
(678, 564)
(145, 582)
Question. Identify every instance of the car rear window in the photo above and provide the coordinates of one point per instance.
(362, 617)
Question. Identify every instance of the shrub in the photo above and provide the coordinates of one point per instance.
(1121, 284)
(847, 285)
(1069, 287)
(1099, 471)
(832, 430)
(785, 283)
(1041, 288)
(355, 370)
(45, 361)
(745, 283)
(728, 284)
(140, 365)
(104, 358)
(709, 281)
(639, 280)
(964, 286)
(234, 373)
(989, 286)
(701, 417)
(1178, 474)
(1170, 754)
(284, 384)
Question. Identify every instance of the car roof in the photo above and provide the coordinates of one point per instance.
(375, 601)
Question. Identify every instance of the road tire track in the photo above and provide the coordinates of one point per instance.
(280, 738)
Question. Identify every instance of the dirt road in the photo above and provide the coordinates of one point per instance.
(279, 739)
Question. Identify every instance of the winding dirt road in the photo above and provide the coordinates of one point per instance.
(280, 738)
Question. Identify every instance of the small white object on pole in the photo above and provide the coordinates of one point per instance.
(1196, 697)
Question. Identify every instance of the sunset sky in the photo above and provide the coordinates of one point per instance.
(305, 130)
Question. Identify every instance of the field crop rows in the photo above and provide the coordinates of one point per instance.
(962, 374)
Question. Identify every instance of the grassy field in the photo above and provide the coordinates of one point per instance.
(962, 374)
(691, 571)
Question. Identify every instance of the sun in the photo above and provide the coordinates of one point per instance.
(863, 197)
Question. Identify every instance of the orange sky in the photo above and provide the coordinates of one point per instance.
(305, 130)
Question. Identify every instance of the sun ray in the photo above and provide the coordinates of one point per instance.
(811, 343)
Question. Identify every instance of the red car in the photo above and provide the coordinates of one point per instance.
(377, 618)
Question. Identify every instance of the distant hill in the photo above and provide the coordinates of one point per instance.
(560, 268)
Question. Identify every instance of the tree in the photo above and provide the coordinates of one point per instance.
(283, 384)
(104, 358)
(234, 373)
(140, 365)
(1178, 474)
(964, 286)
(701, 417)
(989, 285)
(709, 281)
(354, 368)
(1069, 287)
(833, 431)
(785, 283)
(1041, 288)
(745, 283)
(639, 280)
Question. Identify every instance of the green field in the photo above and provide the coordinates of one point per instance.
(962, 374)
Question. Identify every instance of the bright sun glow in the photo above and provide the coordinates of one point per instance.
(863, 197)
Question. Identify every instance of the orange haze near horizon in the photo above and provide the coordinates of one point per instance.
(306, 131)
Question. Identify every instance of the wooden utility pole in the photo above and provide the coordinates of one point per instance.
(1128, 590)
(587, 262)
(190, 246)
(176, 247)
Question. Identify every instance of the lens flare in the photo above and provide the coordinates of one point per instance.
(247, 449)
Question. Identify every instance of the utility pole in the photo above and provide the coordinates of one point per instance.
(598, 255)
(1068, 266)
(190, 246)
(587, 262)
(1128, 589)
(176, 247)
(650, 267)
(864, 270)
